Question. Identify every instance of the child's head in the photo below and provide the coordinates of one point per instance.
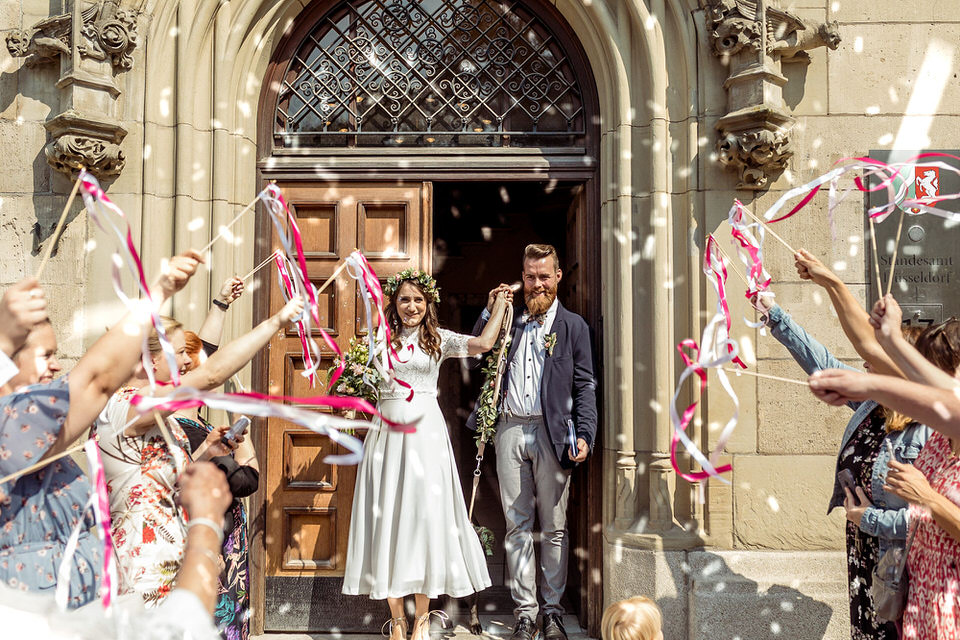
(632, 619)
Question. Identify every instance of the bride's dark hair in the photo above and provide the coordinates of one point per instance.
(429, 335)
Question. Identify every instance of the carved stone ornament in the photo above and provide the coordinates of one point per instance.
(106, 32)
(753, 38)
(91, 43)
(81, 141)
(756, 150)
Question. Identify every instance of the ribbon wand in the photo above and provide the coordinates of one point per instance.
(60, 223)
(896, 248)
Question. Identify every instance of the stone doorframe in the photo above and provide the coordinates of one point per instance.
(200, 162)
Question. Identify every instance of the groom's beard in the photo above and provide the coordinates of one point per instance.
(539, 301)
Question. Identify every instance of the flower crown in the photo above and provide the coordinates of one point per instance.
(422, 278)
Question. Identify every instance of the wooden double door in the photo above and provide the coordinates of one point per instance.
(301, 516)
(306, 508)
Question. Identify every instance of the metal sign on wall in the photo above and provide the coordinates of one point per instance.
(926, 264)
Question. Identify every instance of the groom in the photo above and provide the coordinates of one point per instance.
(547, 424)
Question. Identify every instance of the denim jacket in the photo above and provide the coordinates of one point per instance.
(887, 518)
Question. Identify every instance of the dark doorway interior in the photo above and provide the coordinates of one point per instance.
(480, 230)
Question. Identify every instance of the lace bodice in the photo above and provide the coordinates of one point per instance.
(420, 370)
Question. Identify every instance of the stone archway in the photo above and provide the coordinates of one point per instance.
(200, 157)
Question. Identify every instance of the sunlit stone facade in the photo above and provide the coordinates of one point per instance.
(760, 557)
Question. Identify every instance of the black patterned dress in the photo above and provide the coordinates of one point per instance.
(232, 613)
(863, 551)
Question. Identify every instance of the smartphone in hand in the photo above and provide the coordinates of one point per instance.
(238, 427)
(847, 481)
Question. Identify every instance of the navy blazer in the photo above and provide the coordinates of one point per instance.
(568, 389)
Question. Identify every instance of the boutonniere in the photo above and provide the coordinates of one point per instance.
(549, 342)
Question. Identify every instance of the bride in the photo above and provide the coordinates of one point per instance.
(409, 530)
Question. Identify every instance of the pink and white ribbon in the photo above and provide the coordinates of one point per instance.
(256, 404)
(288, 232)
(716, 273)
(715, 350)
(310, 349)
(748, 241)
(100, 504)
(111, 219)
(382, 353)
(868, 167)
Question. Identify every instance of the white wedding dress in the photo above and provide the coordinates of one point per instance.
(409, 531)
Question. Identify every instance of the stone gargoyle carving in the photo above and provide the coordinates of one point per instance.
(106, 31)
(753, 38)
(91, 43)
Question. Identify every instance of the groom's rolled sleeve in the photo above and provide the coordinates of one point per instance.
(584, 386)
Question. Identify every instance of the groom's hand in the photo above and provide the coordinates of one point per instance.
(583, 451)
(492, 296)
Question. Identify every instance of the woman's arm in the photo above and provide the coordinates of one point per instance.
(488, 337)
(246, 455)
(211, 331)
(906, 481)
(937, 408)
(886, 319)
(205, 496)
(806, 351)
(113, 358)
(854, 320)
(223, 364)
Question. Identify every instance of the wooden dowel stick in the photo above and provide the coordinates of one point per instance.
(236, 381)
(260, 266)
(896, 247)
(767, 377)
(42, 463)
(165, 432)
(766, 225)
(229, 224)
(732, 265)
(876, 257)
(60, 223)
(343, 265)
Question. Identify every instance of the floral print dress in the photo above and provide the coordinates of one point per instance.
(148, 526)
(38, 511)
(863, 550)
(933, 562)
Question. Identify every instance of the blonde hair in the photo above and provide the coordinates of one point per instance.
(541, 251)
(635, 618)
(169, 326)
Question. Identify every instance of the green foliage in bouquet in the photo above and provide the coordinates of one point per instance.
(487, 404)
(356, 374)
(486, 538)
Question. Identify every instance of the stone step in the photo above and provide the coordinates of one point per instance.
(493, 627)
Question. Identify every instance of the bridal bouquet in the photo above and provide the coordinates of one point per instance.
(359, 380)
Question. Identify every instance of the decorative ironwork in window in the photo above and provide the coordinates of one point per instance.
(430, 73)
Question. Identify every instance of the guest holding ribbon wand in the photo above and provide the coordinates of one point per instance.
(243, 476)
(142, 458)
(876, 520)
(409, 529)
(933, 484)
(40, 416)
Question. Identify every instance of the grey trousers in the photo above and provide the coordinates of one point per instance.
(532, 482)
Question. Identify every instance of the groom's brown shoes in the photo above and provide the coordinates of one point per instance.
(525, 629)
(553, 627)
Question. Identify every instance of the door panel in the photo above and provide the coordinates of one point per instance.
(308, 501)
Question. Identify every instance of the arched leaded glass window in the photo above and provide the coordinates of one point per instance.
(430, 73)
